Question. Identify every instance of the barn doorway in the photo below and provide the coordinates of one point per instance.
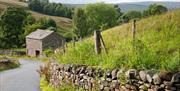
(37, 53)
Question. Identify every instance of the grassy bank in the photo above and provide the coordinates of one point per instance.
(156, 46)
(9, 64)
(44, 85)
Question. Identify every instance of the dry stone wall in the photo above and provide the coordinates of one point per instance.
(94, 79)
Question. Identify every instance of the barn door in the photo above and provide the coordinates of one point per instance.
(37, 53)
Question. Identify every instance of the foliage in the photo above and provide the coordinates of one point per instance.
(11, 22)
(31, 28)
(80, 23)
(99, 15)
(48, 52)
(47, 22)
(156, 46)
(154, 9)
(56, 9)
(131, 15)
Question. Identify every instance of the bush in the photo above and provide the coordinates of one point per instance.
(48, 52)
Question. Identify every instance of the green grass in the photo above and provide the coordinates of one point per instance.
(157, 46)
(44, 85)
(13, 64)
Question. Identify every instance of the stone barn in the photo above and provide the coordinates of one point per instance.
(40, 40)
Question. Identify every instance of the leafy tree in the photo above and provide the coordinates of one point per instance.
(155, 9)
(100, 14)
(118, 10)
(47, 22)
(131, 15)
(29, 20)
(35, 5)
(11, 22)
(31, 28)
(43, 6)
(59, 11)
(80, 23)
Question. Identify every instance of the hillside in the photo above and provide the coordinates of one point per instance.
(64, 23)
(140, 6)
(156, 46)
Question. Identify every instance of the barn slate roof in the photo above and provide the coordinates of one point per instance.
(39, 34)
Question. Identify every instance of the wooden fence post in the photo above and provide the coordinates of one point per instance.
(134, 30)
(74, 42)
(103, 44)
(64, 45)
(97, 40)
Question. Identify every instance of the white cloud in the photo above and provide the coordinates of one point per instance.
(107, 1)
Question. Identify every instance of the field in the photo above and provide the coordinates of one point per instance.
(156, 46)
(62, 22)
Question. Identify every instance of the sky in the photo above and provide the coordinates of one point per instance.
(106, 1)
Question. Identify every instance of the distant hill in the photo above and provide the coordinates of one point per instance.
(144, 5)
(63, 22)
(137, 5)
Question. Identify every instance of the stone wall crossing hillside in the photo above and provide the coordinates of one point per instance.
(91, 79)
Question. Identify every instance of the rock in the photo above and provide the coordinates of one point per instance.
(100, 72)
(162, 86)
(149, 75)
(150, 90)
(134, 88)
(176, 78)
(89, 71)
(131, 74)
(165, 76)
(115, 84)
(114, 74)
(142, 75)
(83, 69)
(109, 80)
(149, 78)
(147, 85)
(106, 89)
(143, 87)
(105, 83)
(166, 83)
(101, 87)
(108, 74)
(156, 79)
(140, 82)
(128, 86)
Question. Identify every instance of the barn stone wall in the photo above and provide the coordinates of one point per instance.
(32, 45)
(52, 41)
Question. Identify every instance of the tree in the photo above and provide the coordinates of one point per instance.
(47, 22)
(35, 5)
(100, 14)
(155, 9)
(11, 22)
(29, 20)
(31, 28)
(118, 10)
(80, 23)
(43, 6)
(131, 15)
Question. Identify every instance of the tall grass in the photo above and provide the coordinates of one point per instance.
(156, 46)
